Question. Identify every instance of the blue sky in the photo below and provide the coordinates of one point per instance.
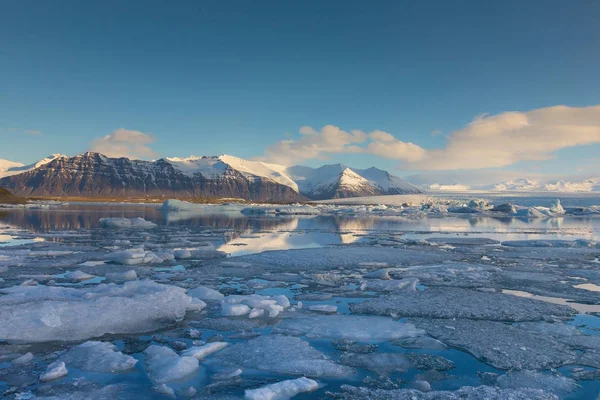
(238, 77)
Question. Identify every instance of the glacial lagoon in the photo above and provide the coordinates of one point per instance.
(368, 302)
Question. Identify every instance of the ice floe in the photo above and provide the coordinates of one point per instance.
(125, 223)
(282, 390)
(283, 355)
(54, 371)
(95, 356)
(462, 303)
(352, 327)
(43, 313)
(165, 365)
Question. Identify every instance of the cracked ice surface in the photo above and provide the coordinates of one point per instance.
(281, 354)
(464, 393)
(498, 344)
(462, 303)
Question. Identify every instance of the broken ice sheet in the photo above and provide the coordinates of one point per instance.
(447, 302)
(282, 355)
(95, 356)
(352, 327)
(499, 344)
(464, 393)
(44, 313)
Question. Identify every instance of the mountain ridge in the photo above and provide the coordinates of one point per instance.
(94, 174)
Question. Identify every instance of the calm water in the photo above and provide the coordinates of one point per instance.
(255, 234)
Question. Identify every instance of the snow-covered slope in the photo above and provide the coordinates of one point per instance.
(8, 168)
(212, 167)
(337, 180)
(95, 174)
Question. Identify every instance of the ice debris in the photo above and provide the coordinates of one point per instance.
(44, 313)
(200, 352)
(205, 293)
(138, 256)
(351, 327)
(282, 355)
(282, 390)
(96, 356)
(164, 365)
(54, 371)
(125, 223)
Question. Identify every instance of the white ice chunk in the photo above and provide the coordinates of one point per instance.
(282, 300)
(256, 313)
(201, 352)
(282, 390)
(24, 359)
(46, 313)
(282, 355)
(120, 277)
(138, 256)
(164, 390)
(324, 308)
(196, 305)
(164, 365)
(96, 356)
(398, 285)
(125, 223)
(234, 310)
(205, 293)
(78, 276)
(54, 371)
(352, 327)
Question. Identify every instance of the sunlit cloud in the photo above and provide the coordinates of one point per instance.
(489, 141)
(125, 143)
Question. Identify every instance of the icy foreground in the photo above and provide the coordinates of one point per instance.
(44, 313)
(440, 301)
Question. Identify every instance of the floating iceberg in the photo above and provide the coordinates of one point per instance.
(164, 365)
(138, 256)
(98, 357)
(282, 355)
(43, 313)
(125, 223)
(54, 371)
(351, 327)
(205, 293)
(282, 390)
(200, 352)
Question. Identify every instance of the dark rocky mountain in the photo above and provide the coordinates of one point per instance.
(93, 174)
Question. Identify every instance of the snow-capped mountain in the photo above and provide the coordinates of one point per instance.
(523, 184)
(8, 168)
(339, 181)
(93, 174)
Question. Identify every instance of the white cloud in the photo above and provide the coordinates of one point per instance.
(330, 140)
(489, 141)
(125, 143)
(33, 132)
(510, 137)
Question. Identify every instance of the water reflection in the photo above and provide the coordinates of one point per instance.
(260, 233)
